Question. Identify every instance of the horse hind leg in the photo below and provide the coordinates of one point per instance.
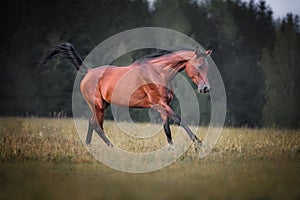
(91, 128)
(96, 123)
(167, 129)
(103, 136)
(99, 126)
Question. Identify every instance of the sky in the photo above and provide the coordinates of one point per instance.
(281, 7)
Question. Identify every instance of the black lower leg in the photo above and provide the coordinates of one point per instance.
(168, 132)
(90, 132)
(182, 123)
(102, 135)
(193, 137)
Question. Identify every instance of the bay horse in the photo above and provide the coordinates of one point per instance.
(150, 77)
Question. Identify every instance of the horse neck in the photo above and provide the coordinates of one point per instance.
(176, 62)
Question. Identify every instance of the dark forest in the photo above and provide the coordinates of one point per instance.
(257, 55)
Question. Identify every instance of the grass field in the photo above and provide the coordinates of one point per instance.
(45, 159)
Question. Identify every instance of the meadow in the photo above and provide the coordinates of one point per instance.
(43, 158)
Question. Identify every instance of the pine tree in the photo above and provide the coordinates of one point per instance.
(282, 75)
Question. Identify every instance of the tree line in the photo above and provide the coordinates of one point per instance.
(257, 55)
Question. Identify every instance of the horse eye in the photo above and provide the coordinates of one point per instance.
(200, 66)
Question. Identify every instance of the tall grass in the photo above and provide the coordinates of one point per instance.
(56, 139)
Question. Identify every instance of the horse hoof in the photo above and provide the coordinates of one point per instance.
(88, 145)
(110, 145)
(171, 147)
(198, 145)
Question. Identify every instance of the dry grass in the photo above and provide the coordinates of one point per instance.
(44, 158)
(44, 139)
(40, 139)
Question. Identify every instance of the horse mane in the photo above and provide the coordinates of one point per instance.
(157, 54)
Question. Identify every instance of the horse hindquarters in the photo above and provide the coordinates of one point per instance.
(97, 105)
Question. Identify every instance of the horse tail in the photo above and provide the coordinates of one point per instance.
(65, 50)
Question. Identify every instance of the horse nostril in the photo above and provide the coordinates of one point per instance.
(205, 89)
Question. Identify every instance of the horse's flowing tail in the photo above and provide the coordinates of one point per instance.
(65, 50)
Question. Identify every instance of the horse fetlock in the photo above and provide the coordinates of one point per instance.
(198, 142)
(110, 145)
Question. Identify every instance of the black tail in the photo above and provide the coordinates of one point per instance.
(65, 50)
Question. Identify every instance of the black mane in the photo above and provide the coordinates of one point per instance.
(158, 53)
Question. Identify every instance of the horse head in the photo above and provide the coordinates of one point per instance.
(197, 69)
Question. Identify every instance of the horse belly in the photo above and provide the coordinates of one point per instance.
(137, 99)
(125, 95)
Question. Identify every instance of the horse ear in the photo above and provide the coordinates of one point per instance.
(208, 52)
(197, 51)
(202, 54)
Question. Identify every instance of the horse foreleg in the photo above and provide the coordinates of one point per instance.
(170, 113)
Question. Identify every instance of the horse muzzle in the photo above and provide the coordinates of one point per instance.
(203, 88)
